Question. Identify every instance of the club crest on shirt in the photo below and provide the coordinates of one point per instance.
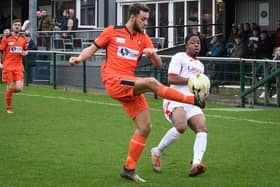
(139, 42)
(120, 40)
(11, 43)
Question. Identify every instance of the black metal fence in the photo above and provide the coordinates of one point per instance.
(230, 77)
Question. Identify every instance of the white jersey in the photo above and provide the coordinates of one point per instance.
(185, 66)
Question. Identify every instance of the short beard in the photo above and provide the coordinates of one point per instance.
(136, 28)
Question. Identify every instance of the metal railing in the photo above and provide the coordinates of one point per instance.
(241, 78)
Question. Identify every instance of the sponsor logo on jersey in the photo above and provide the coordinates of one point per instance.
(127, 53)
(120, 40)
(16, 49)
(193, 69)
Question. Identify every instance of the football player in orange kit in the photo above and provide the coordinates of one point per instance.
(124, 47)
(14, 46)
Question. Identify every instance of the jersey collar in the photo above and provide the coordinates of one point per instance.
(194, 58)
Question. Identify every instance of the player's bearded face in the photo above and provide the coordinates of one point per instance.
(137, 27)
(140, 21)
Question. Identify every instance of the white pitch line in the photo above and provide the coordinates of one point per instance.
(243, 119)
(159, 110)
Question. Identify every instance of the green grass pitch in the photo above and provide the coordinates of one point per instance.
(58, 138)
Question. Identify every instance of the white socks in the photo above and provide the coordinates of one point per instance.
(170, 137)
(199, 147)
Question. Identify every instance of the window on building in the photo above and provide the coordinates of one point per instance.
(151, 30)
(220, 10)
(178, 20)
(206, 17)
(125, 13)
(88, 12)
(163, 21)
(192, 17)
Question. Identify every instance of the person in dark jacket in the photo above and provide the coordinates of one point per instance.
(30, 59)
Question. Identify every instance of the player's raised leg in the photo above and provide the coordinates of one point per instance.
(150, 84)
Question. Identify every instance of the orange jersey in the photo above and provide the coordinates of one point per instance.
(123, 50)
(12, 48)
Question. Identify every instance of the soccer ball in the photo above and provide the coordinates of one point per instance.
(199, 85)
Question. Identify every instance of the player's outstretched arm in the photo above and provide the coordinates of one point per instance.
(85, 54)
(153, 56)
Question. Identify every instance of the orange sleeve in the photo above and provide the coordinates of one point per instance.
(104, 37)
(25, 46)
(3, 44)
(148, 42)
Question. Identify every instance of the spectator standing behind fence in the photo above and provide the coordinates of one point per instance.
(125, 46)
(264, 51)
(46, 24)
(240, 48)
(217, 47)
(74, 18)
(6, 32)
(26, 26)
(276, 35)
(30, 59)
(38, 14)
(276, 66)
(14, 47)
(66, 23)
(253, 41)
(270, 68)
(230, 41)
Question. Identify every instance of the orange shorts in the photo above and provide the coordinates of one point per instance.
(11, 76)
(121, 88)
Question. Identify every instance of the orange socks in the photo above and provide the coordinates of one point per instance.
(9, 99)
(136, 146)
(172, 94)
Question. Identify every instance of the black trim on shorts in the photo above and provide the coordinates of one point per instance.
(128, 83)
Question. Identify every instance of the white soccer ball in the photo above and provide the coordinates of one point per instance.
(199, 84)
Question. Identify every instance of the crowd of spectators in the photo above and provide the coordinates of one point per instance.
(247, 41)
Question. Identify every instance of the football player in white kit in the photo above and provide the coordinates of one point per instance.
(183, 65)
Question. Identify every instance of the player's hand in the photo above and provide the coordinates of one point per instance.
(199, 101)
(1, 65)
(74, 60)
(24, 53)
(149, 52)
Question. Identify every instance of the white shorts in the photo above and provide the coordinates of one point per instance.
(169, 106)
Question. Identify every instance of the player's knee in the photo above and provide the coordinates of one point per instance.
(181, 129)
(180, 124)
(152, 82)
(145, 129)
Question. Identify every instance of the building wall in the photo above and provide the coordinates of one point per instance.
(248, 11)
